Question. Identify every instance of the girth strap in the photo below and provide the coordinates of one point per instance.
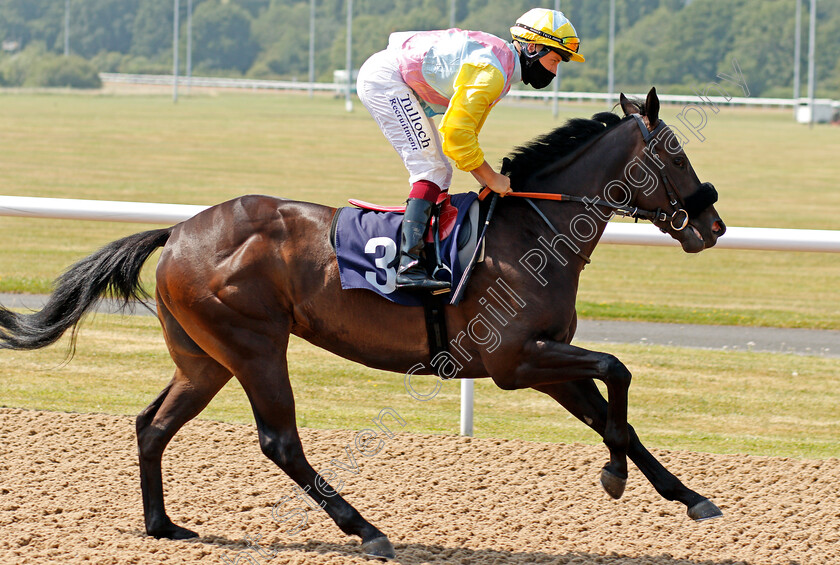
(435, 315)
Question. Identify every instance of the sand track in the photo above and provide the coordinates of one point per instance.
(69, 493)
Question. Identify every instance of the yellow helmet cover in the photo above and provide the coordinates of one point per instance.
(550, 28)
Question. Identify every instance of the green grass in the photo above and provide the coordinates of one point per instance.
(770, 172)
(719, 286)
(710, 401)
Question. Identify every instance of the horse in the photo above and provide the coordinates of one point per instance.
(236, 280)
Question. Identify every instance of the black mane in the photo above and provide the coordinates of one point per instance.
(527, 159)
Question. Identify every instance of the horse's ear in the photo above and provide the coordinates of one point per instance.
(652, 107)
(628, 106)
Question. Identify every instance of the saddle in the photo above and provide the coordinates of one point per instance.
(442, 220)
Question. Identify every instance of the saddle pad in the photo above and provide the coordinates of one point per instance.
(367, 248)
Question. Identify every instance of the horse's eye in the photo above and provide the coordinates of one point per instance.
(679, 162)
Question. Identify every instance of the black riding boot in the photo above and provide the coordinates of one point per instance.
(411, 274)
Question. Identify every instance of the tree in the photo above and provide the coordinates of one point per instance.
(67, 72)
(254, 7)
(222, 37)
(102, 25)
(283, 34)
(674, 44)
(152, 28)
(828, 50)
(698, 40)
(26, 21)
(763, 47)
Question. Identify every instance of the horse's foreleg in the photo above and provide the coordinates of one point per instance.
(584, 401)
(546, 362)
(271, 397)
(180, 401)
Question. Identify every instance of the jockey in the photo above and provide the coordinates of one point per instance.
(462, 75)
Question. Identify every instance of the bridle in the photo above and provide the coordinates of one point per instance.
(678, 218)
(676, 203)
(690, 206)
(683, 209)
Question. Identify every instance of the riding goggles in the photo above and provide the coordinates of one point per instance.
(571, 42)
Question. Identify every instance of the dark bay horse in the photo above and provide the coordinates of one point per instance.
(236, 280)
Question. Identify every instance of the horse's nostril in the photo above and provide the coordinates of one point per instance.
(718, 228)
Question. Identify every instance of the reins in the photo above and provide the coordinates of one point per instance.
(619, 209)
(678, 218)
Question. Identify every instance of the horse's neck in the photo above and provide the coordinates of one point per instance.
(595, 168)
(588, 176)
(544, 256)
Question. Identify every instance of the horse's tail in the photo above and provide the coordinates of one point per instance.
(113, 270)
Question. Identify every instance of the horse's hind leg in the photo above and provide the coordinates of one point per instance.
(196, 381)
(584, 401)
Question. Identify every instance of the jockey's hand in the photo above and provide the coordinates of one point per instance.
(500, 184)
(496, 182)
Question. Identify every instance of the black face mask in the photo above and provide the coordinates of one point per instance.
(533, 73)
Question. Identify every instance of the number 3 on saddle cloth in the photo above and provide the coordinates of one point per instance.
(366, 242)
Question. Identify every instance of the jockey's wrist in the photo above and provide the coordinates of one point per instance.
(488, 177)
(484, 174)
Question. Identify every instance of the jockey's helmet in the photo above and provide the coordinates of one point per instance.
(551, 29)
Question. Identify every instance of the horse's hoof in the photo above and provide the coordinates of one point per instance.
(379, 548)
(612, 483)
(705, 510)
(173, 532)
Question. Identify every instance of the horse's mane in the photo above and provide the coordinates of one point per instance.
(547, 149)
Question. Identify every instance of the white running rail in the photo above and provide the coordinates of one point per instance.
(621, 233)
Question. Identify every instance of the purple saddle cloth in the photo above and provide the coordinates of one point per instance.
(367, 248)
